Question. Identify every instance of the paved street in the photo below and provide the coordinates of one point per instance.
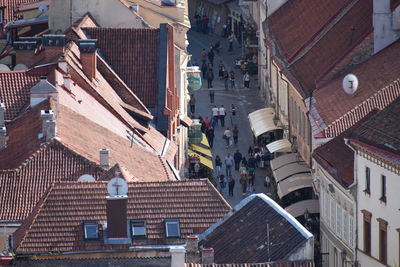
(245, 101)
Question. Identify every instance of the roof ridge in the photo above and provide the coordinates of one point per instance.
(393, 86)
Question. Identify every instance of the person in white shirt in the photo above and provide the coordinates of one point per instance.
(222, 114)
(227, 136)
(215, 115)
(246, 80)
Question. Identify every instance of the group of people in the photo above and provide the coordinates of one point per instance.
(202, 23)
(246, 169)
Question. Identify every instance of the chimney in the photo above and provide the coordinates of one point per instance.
(2, 111)
(42, 91)
(177, 256)
(3, 137)
(50, 129)
(192, 249)
(25, 52)
(88, 57)
(384, 32)
(207, 256)
(104, 158)
(117, 217)
(53, 45)
(46, 115)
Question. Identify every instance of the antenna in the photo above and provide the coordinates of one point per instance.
(350, 84)
(42, 8)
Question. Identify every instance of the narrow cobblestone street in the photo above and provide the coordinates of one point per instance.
(245, 101)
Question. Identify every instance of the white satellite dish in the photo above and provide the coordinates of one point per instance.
(350, 84)
(117, 187)
(86, 178)
(4, 67)
(42, 8)
(20, 67)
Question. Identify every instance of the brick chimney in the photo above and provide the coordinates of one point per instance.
(177, 256)
(88, 57)
(2, 111)
(53, 45)
(3, 137)
(104, 158)
(46, 115)
(50, 129)
(207, 256)
(25, 52)
(192, 249)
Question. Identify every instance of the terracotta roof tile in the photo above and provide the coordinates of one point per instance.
(336, 41)
(139, 49)
(306, 263)
(295, 23)
(241, 236)
(10, 6)
(57, 223)
(379, 85)
(15, 91)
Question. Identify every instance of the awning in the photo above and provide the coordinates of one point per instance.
(294, 183)
(289, 170)
(297, 209)
(284, 160)
(204, 161)
(204, 141)
(200, 149)
(262, 121)
(282, 145)
(186, 121)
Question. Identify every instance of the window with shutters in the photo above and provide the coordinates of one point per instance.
(383, 189)
(382, 240)
(367, 231)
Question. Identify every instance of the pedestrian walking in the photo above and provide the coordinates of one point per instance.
(222, 184)
(204, 22)
(231, 38)
(246, 80)
(209, 77)
(235, 134)
(221, 69)
(203, 56)
(244, 161)
(222, 114)
(231, 185)
(211, 55)
(204, 69)
(203, 126)
(243, 179)
(218, 165)
(232, 78)
(238, 158)
(233, 114)
(228, 164)
(207, 122)
(210, 136)
(250, 151)
(211, 94)
(215, 114)
(226, 79)
(227, 136)
(192, 103)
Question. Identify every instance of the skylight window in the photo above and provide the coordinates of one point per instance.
(138, 229)
(90, 229)
(172, 228)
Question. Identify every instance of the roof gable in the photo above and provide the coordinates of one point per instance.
(246, 227)
(196, 203)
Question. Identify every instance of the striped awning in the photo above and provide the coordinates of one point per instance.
(282, 145)
(201, 150)
(203, 160)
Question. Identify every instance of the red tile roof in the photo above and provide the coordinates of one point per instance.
(56, 224)
(139, 49)
(379, 85)
(308, 263)
(296, 23)
(337, 40)
(10, 6)
(15, 91)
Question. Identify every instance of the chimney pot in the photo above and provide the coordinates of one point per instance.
(207, 256)
(3, 137)
(2, 111)
(177, 256)
(46, 115)
(104, 158)
(192, 249)
(50, 129)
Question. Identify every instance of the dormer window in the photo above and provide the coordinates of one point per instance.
(138, 229)
(172, 229)
(91, 230)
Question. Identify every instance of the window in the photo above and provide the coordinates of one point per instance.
(339, 220)
(333, 214)
(90, 229)
(382, 240)
(327, 210)
(172, 228)
(367, 180)
(367, 231)
(383, 188)
(351, 237)
(346, 227)
(138, 229)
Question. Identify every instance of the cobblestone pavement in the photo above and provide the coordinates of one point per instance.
(245, 101)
